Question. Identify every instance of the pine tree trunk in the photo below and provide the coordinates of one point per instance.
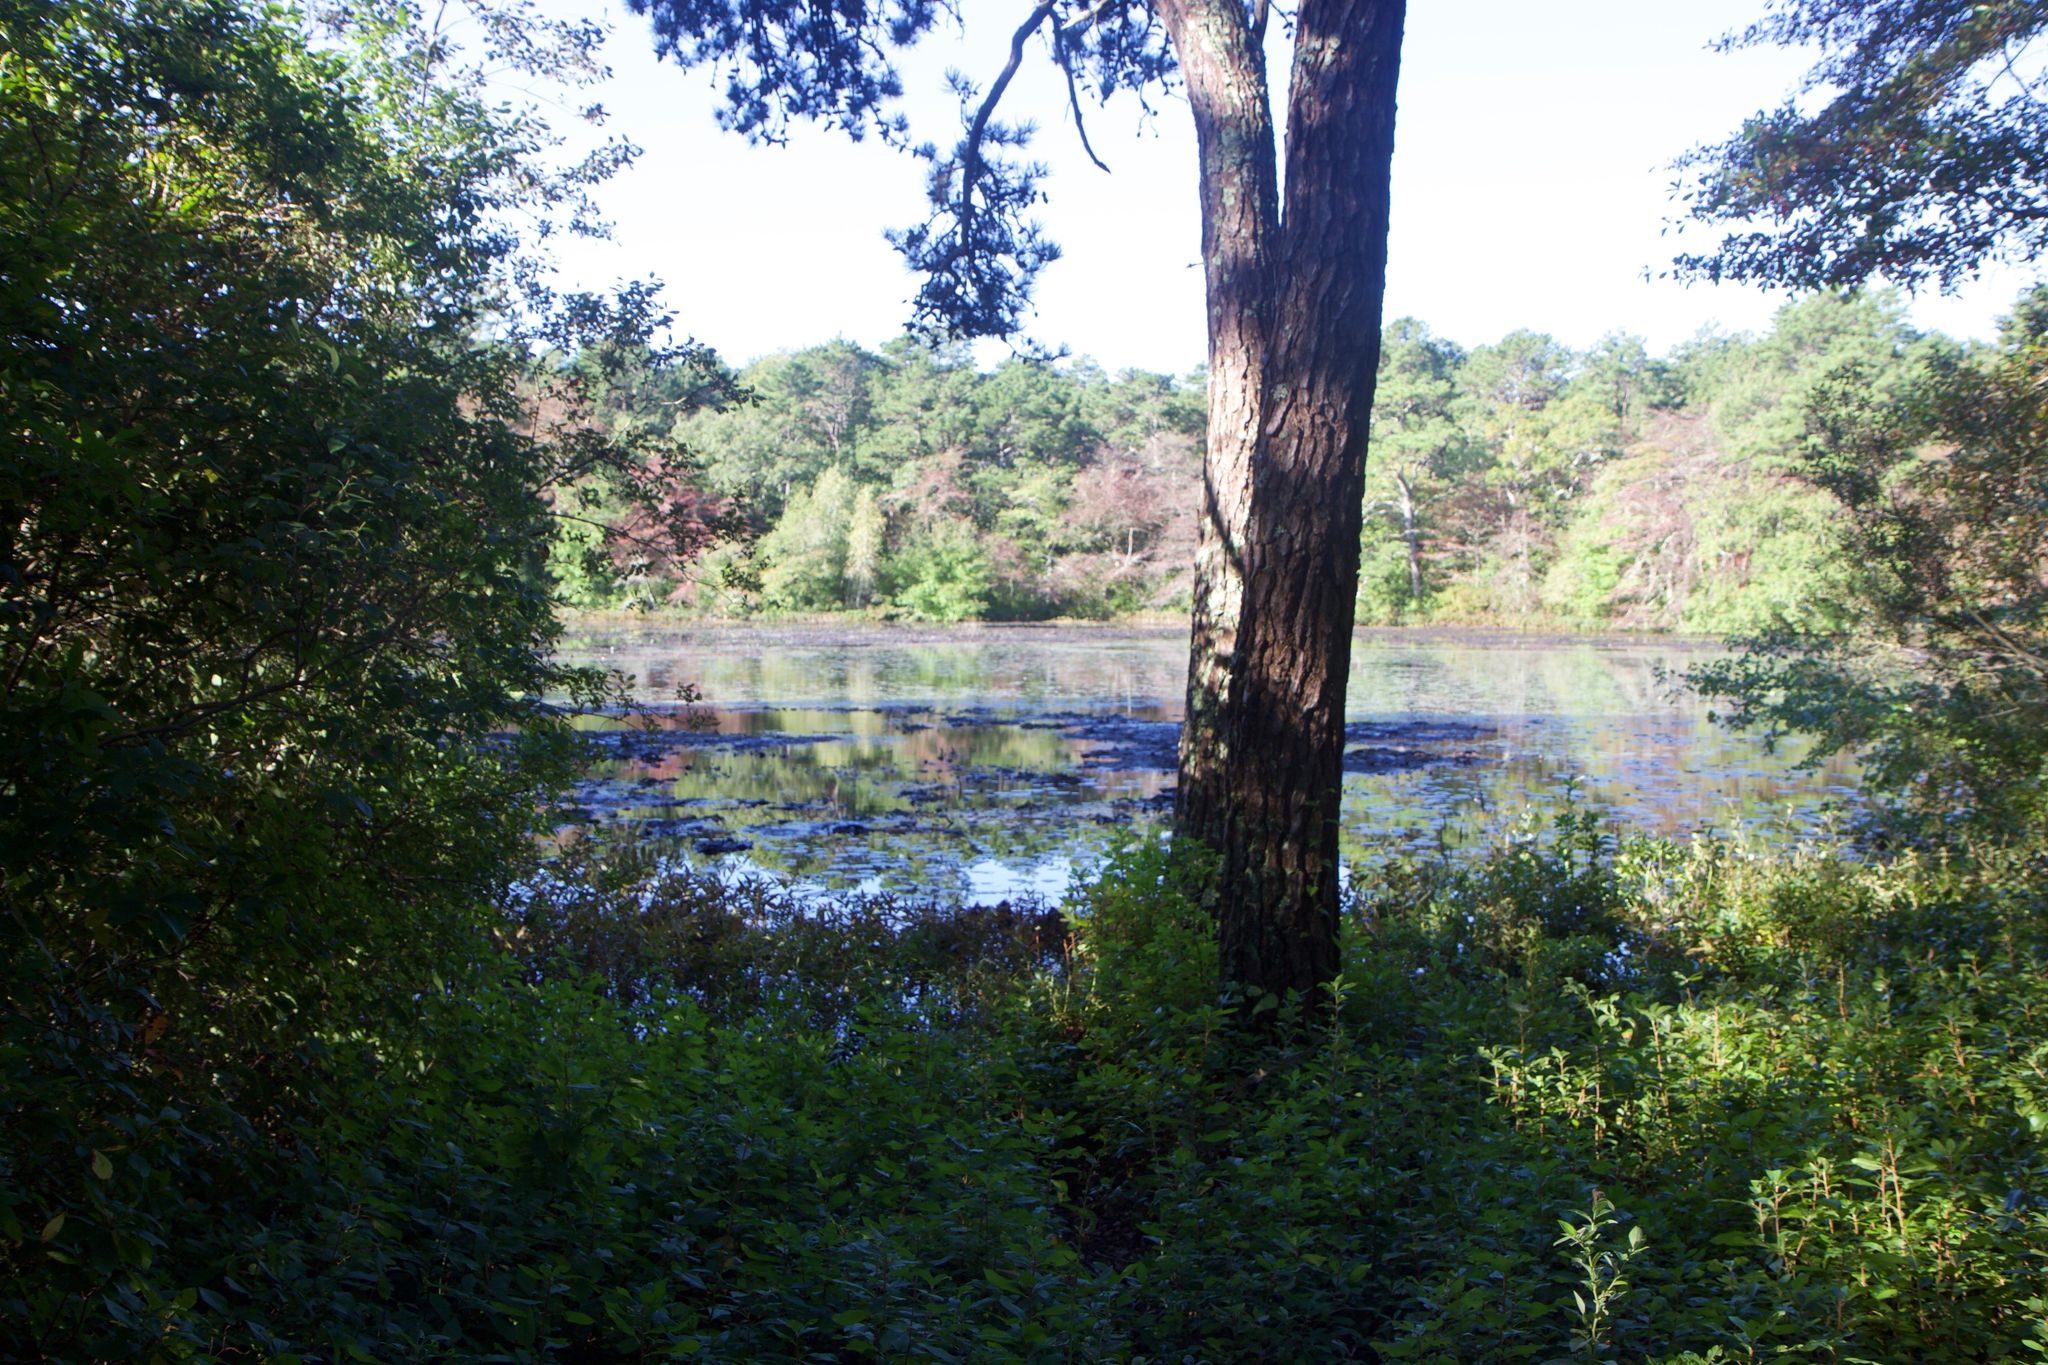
(1294, 313)
(1226, 83)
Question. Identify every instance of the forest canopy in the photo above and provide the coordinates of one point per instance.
(1517, 482)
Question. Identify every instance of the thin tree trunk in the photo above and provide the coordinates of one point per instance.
(1411, 534)
(1294, 315)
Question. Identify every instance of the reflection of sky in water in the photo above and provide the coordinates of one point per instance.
(954, 763)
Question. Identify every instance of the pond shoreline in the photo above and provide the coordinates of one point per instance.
(831, 632)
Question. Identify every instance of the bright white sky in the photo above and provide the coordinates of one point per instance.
(1531, 189)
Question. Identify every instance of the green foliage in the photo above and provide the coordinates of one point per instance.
(306, 1056)
(1587, 1101)
(867, 473)
(1385, 590)
(626, 541)
(1584, 1102)
(942, 575)
(1766, 1089)
(1587, 576)
(1749, 1053)
(1585, 1237)
(543, 1174)
(1525, 484)
(1793, 574)
(1760, 402)
(1147, 939)
(1942, 486)
(274, 617)
(1517, 483)
(807, 550)
(1920, 159)
(1681, 537)
(1420, 451)
(866, 533)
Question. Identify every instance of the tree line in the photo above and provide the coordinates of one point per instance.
(1519, 482)
(908, 482)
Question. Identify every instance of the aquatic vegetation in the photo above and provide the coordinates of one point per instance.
(998, 762)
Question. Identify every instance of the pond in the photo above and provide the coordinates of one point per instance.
(981, 764)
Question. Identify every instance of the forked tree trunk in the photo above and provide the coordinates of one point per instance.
(1294, 295)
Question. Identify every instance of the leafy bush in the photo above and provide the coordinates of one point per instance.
(1588, 1102)
(274, 621)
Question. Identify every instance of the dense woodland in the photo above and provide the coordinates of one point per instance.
(316, 1046)
(1517, 483)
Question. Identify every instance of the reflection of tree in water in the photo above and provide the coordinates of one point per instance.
(884, 770)
(991, 666)
(938, 755)
(734, 665)
(1658, 775)
(1571, 679)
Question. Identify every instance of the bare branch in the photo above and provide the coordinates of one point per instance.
(1065, 59)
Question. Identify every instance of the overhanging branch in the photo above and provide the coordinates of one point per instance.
(1065, 58)
(970, 149)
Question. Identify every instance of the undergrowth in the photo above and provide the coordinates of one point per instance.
(1588, 1101)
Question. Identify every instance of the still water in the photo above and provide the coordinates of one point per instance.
(985, 763)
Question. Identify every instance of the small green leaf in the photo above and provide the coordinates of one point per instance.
(53, 1227)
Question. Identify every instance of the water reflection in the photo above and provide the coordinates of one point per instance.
(987, 763)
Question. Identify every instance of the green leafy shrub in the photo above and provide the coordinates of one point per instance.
(1588, 1100)
(274, 620)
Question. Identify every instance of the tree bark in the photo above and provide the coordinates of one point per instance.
(1225, 71)
(1294, 314)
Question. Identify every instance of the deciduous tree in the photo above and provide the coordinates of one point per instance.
(1941, 485)
(273, 590)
